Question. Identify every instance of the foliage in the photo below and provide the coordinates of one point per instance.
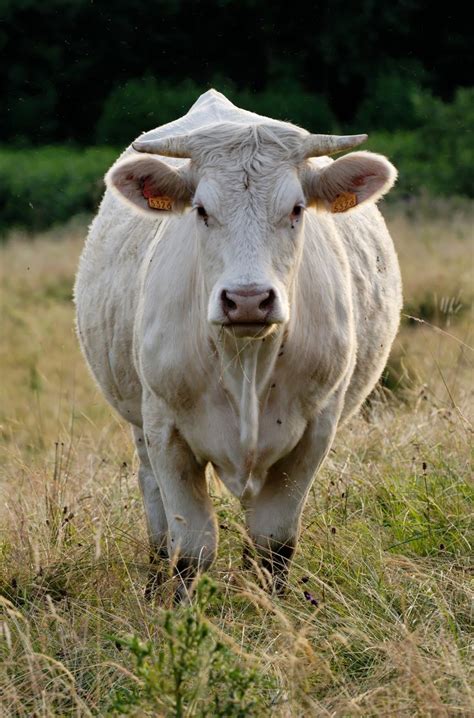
(391, 102)
(141, 104)
(63, 58)
(44, 186)
(438, 156)
(41, 187)
(192, 670)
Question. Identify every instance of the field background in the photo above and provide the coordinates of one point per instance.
(379, 613)
(385, 559)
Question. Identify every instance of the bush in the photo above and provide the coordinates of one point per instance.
(292, 104)
(41, 187)
(392, 100)
(142, 104)
(192, 672)
(447, 137)
(438, 157)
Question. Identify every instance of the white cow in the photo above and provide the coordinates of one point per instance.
(236, 300)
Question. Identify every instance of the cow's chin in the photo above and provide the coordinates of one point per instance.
(244, 330)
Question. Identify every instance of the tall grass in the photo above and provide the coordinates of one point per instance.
(378, 616)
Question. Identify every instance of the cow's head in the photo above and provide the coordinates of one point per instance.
(249, 187)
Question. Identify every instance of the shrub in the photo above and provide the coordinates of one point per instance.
(141, 105)
(391, 104)
(438, 156)
(193, 672)
(41, 187)
(290, 103)
(45, 186)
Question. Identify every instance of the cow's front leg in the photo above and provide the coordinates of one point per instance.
(273, 516)
(157, 524)
(192, 528)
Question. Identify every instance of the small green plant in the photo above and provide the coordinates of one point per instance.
(191, 672)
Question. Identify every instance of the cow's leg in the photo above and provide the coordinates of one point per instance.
(273, 516)
(157, 524)
(192, 528)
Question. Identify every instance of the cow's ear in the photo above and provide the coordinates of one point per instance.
(350, 181)
(150, 185)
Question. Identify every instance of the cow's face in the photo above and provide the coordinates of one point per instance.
(247, 190)
(249, 225)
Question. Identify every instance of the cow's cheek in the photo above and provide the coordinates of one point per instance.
(285, 256)
(212, 257)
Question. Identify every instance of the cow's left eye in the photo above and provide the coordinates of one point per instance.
(297, 210)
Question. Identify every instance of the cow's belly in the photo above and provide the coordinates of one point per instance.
(212, 431)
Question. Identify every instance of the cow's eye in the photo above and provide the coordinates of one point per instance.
(297, 210)
(202, 211)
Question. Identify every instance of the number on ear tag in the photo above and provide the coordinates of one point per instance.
(343, 202)
(164, 203)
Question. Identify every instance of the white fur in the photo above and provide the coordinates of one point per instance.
(263, 410)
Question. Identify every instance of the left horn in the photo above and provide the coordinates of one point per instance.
(169, 147)
(319, 145)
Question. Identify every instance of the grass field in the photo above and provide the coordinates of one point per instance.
(378, 618)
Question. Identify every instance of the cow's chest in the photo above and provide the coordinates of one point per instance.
(213, 430)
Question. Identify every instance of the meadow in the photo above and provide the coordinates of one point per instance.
(378, 616)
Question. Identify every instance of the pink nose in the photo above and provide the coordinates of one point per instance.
(246, 305)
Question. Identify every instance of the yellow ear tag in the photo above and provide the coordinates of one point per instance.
(343, 202)
(164, 203)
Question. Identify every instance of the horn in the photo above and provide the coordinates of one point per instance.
(169, 147)
(319, 145)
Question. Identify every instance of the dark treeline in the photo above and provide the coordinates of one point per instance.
(69, 67)
(80, 79)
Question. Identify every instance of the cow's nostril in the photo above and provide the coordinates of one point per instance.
(228, 304)
(268, 301)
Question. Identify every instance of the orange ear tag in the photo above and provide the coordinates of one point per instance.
(164, 203)
(155, 201)
(343, 202)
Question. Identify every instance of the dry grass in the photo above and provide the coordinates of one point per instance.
(385, 551)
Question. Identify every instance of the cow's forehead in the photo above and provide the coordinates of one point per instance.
(252, 147)
(248, 167)
(260, 191)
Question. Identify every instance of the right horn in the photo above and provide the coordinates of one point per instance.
(319, 145)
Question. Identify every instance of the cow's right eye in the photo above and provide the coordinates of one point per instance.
(202, 212)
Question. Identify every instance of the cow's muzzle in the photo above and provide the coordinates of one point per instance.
(247, 310)
(247, 306)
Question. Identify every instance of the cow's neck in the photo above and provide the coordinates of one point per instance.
(246, 367)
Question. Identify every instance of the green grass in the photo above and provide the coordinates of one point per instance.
(377, 620)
